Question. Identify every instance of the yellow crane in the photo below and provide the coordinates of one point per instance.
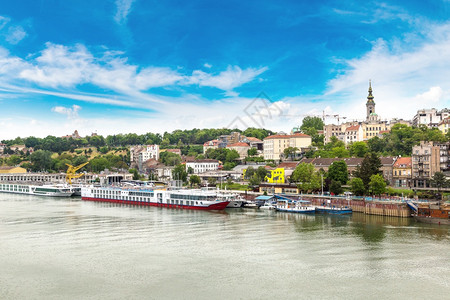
(71, 172)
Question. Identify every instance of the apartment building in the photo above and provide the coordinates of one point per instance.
(430, 117)
(402, 172)
(425, 162)
(203, 165)
(241, 148)
(444, 125)
(275, 145)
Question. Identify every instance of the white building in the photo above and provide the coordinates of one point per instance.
(430, 117)
(140, 154)
(353, 134)
(203, 165)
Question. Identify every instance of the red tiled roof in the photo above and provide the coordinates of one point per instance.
(288, 165)
(388, 160)
(402, 162)
(239, 144)
(445, 121)
(174, 150)
(213, 142)
(299, 135)
(253, 139)
(352, 128)
(286, 136)
(206, 160)
(277, 136)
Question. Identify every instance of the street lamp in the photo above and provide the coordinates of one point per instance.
(321, 175)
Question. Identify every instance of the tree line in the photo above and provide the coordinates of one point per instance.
(177, 137)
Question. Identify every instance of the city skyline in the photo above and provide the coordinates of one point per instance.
(134, 66)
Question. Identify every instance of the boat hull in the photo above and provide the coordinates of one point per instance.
(431, 220)
(298, 211)
(214, 206)
(334, 210)
(235, 204)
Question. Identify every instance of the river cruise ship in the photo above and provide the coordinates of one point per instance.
(178, 198)
(40, 190)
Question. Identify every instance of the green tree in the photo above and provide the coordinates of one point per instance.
(357, 186)
(312, 122)
(169, 158)
(249, 173)
(289, 152)
(135, 174)
(41, 160)
(252, 152)
(212, 181)
(439, 181)
(152, 176)
(306, 177)
(194, 180)
(228, 166)
(254, 180)
(377, 184)
(13, 160)
(358, 149)
(232, 156)
(179, 173)
(340, 152)
(98, 164)
(336, 187)
(370, 165)
(338, 171)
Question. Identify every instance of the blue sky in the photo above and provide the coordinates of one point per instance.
(140, 66)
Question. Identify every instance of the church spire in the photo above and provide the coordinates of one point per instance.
(370, 97)
(370, 105)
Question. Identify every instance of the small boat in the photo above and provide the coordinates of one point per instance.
(236, 203)
(332, 209)
(268, 205)
(251, 204)
(433, 214)
(295, 206)
(329, 208)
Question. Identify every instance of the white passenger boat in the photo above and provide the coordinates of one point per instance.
(40, 190)
(296, 206)
(237, 203)
(180, 198)
(268, 205)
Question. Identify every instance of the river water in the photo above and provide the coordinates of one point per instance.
(71, 249)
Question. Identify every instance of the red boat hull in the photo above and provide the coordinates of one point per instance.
(215, 206)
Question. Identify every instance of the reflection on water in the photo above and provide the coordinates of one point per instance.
(68, 248)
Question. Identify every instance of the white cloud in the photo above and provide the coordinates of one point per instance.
(71, 113)
(60, 66)
(15, 34)
(226, 80)
(123, 9)
(12, 33)
(405, 78)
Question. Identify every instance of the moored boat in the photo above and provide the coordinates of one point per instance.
(433, 214)
(332, 209)
(180, 198)
(39, 190)
(295, 206)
